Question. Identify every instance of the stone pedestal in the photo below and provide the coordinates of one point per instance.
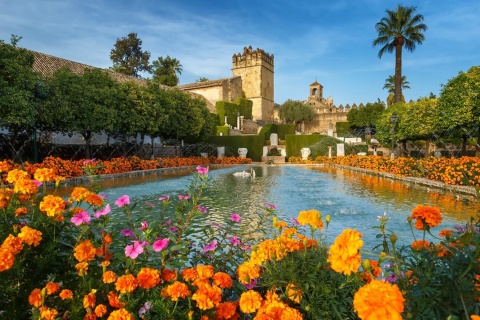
(340, 150)
(242, 152)
(273, 139)
(330, 151)
(220, 152)
(305, 153)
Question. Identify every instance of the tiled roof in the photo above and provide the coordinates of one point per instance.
(47, 64)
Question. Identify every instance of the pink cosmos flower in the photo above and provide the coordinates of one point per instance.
(270, 205)
(235, 217)
(164, 198)
(295, 221)
(144, 309)
(81, 217)
(211, 246)
(251, 285)
(202, 209)
(151, 205)
(217, 225)
(234, 241)
(202, 170)
(127, 233)
(173, 229)
(132, 251)
(168, 222)
(122, 201)
(37, 183)
(160, 245)
(102, 212)
(143, 225)
(180, 197)
(89, 161)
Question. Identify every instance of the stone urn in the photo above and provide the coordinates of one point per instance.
(305, 153)
(242, 152)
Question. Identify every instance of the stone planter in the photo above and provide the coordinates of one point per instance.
(273, 159)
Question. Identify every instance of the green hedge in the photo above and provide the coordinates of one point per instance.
(284, 129)
(224, 130)
(254, 144)
(231, 110)
(268, 130)
(343, 129)
(318, 144)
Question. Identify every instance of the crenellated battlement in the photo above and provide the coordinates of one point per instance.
(252, 57)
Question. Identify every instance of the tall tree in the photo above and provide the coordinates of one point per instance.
(399, 28)
(459, 106)
(390, 85)
(18, 102)
(295, 111)
(366, 117)
(128, 57)
(165, 71)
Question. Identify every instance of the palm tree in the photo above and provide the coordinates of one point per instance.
(165, 70)
(399, 28)
(390, 85)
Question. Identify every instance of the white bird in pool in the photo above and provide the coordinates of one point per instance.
(245, 173)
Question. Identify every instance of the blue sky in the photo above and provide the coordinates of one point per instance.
(327, 41)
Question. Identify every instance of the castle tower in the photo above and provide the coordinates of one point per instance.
(255, 67)
(316, 91)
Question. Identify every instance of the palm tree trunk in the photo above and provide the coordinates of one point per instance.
(398, 71)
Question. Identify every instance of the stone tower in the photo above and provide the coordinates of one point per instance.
(316, 91)
(255, 67)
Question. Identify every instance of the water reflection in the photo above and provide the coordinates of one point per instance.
(352, 199)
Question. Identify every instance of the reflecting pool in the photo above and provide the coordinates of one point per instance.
(352, 200)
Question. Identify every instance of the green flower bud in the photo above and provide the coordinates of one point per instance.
(393, 238)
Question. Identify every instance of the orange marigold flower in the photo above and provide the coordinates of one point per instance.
(25, 186)
(52, 287)
(30, 236)
(207, 297)
(189, 274)
(47, 313)
(90, 315)
(22, 211)
(344, 253)
(52, 205)
(66, 294)
(205, 271)
(109, 277)
(426, 217)
(84, 251)
(250, 301)
(114, 301)
(82, 268)
(248, 271)
(94, 199)
(89, 299)
(223, 280)
(371, 270)
(148, 278)
(44, 174)
(169, 275)
(79, 193)
(420, 244)
(474, 317)
(176, 290)
(225, 310)
(5, 196)
(369, 301)
(100, 310)
(445, 233)
(312, 218)
(15, 175)
(126, 283)
(281, 224)
(294, 293)
(107, 239)
(35, 298)
(13, 244)
(120, 314)
(291, 314)
(7, 258)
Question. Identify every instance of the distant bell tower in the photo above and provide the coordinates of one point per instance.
(316, 91)
(255, 67)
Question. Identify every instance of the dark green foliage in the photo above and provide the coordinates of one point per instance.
(284, 129)
(128, 57)
(318, 144)
(268, 130)
(343, 128)
(327, 295)
(222, 131)
(254, 144)
(295, 111)
(241, 106)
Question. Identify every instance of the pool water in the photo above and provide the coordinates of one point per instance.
(352, 200)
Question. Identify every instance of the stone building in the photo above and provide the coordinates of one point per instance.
(252, 77)
(326, 113)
